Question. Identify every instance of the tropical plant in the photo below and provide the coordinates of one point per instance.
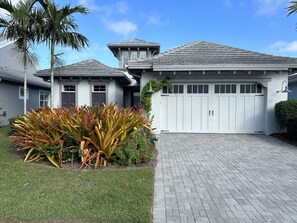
(60, 28)
(21, 26)
(83, 133)
(115, 127)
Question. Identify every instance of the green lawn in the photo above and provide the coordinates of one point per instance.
(37, 193)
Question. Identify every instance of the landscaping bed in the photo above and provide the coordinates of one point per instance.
(31, 192)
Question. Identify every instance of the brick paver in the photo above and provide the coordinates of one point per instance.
(225, 178)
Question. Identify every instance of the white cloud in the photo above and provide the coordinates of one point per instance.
(121, 27)
(282, 46)
(268, 7)
(119, 7)
(155, 19)
(228, 3)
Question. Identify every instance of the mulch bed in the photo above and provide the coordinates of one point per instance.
(285, 137)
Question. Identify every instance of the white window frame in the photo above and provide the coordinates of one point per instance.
(63, 87)
(93, 88)
(49, 97)
(21, 88)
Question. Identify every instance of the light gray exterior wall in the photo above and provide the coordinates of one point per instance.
(12, 104)
(114, 92)
(293, 88)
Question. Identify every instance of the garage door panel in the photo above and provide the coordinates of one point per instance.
(164, 112)
(249, 106)
(213, 111)
(188, 113)
(172, 113)
(179, 112)
(259, 113)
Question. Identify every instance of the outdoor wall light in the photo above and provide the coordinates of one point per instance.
(150, 90)
(284, 89)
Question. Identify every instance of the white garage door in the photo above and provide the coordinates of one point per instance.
(213, 108)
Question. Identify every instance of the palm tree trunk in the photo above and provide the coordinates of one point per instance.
(52, 71)
(25, 87)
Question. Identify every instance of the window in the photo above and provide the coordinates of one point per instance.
(125, 58)
(197, 89)
(44, 98)
(225, 89)
(176, 89)
(68, 96)
(99, 88)
(98, 95)
(142, 54)
(133, 55)
(69, 88)
(250, 88)
(22, 92)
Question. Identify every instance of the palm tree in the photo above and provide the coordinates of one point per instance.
(292, 9)
(20, 25)
(60, 29)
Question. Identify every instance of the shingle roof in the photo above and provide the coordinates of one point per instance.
(87, 68)
(133, 42)
(207, 53)
(17, 76)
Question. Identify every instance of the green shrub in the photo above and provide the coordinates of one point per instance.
(292, 128)
(284, 111)
(139, 149)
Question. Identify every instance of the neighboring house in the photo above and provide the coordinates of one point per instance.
(293, 86)
(12, 85)
(215, 88)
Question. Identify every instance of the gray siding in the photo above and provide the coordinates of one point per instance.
(293, 88)
(10, 102)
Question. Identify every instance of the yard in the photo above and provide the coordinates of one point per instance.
(39, 193)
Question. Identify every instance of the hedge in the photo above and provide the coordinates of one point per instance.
(285, 111)
(292, 128)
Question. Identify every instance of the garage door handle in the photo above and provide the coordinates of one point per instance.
(212, 112)
(209, 113)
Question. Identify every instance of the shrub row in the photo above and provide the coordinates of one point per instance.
(286, 116)
(90, 136)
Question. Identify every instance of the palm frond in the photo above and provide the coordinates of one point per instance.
(292, 9)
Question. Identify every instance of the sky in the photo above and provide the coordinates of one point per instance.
(258, 25)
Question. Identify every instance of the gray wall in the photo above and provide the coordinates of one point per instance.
(10, 102)
(293, 88)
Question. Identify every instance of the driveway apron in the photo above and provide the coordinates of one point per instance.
(225, 178)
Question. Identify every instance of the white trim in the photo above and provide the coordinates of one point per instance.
(22, 96)
(49, 96)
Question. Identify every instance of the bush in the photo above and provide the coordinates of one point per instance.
(292, 128)
(83, 133)
(13, 119)
(139, 149)
(285, 111)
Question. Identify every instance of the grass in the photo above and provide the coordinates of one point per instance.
(38, 193)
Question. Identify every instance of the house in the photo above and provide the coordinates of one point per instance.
(93, 83)
(12, 85)
(293, 87)
(215, 88)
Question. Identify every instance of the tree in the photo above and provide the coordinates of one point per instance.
(292, 9)
(59, 28)
(21, 26)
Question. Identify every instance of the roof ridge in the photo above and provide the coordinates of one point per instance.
(245, 50)
(172, 50)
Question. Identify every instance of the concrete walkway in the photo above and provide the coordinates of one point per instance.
(225, 178)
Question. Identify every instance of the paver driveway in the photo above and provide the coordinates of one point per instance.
(225, 178)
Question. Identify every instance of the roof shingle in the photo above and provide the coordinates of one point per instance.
(207, 53)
